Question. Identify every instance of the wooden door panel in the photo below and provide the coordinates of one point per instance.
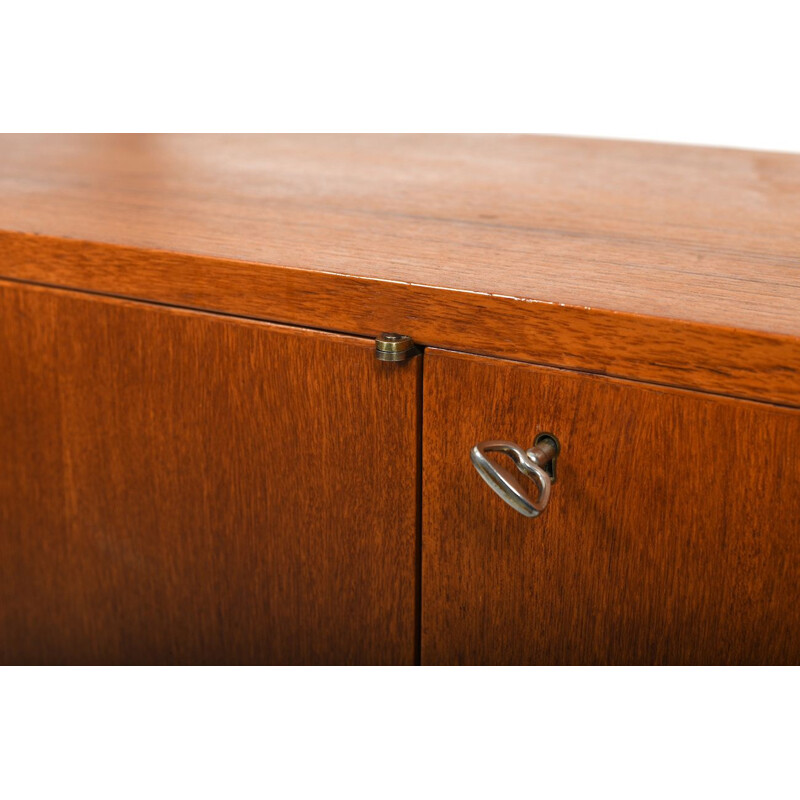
(178, 487)
(672, 534)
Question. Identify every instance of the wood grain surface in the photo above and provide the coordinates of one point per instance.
(660, 263)
(672, 535)
(178, 487)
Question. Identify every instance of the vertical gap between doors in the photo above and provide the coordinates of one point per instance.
(418, 547)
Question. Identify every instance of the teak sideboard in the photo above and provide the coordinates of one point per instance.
(210, 453)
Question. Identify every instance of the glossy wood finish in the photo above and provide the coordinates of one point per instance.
(668, 264)
(180, 487)
(672, 535)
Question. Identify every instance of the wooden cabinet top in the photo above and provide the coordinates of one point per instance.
(673, 264)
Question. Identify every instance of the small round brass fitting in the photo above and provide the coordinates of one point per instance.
(394, 347)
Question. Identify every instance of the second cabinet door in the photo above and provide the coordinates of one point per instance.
(672, 534)
(178, 487)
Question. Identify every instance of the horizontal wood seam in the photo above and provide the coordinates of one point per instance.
(716, 360)
(423, 348)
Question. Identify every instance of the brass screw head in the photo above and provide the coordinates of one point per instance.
(394, 347)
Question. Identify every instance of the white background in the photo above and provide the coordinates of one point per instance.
(706, 73)
(697, 72)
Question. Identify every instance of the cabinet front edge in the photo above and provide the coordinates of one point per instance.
(722, 360)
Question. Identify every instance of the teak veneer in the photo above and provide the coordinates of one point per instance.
(675, 265)
(672, 535)
(173, 493)
(202, 460)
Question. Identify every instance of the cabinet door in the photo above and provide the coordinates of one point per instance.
(672, 535)
(183, 487)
